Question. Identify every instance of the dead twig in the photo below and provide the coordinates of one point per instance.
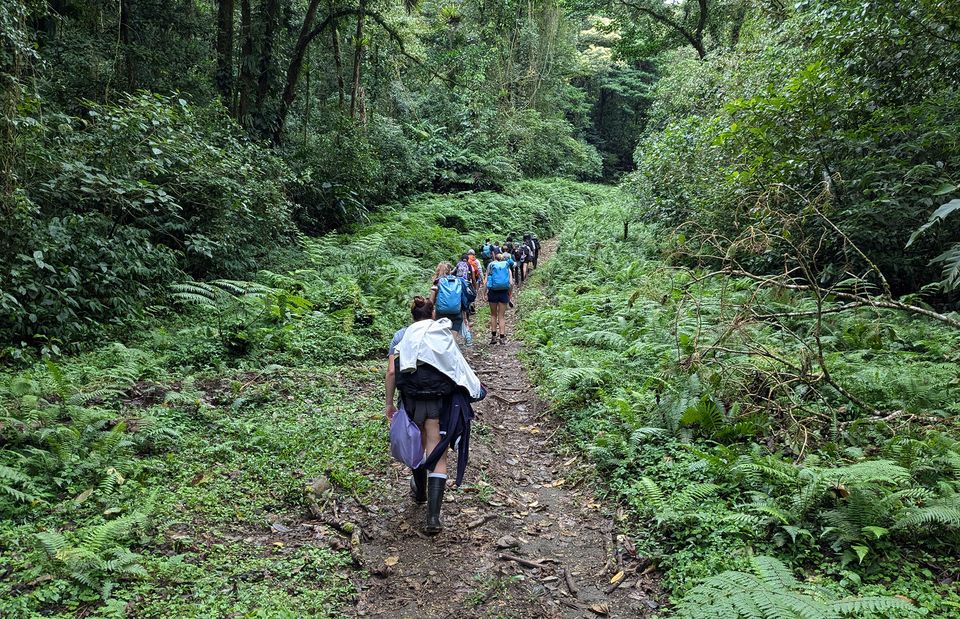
(571, 585)
(479, 522)
(533, 564)
(505, 400)
(614, 586)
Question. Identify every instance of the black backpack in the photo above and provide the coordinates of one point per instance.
(424, 383)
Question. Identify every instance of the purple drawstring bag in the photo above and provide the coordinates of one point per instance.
(405, 443)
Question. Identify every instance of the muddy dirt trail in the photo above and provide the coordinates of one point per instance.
(520, 540)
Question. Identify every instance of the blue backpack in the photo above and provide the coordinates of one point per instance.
(449, 295)
(486, 251)
(499, 278)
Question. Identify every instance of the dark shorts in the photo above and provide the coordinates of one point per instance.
(421, 410)
(456, 319)
(498, 296)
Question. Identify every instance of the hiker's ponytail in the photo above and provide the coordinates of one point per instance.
(421, 308)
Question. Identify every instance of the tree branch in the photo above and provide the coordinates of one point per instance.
(860, 300)
(694, 38)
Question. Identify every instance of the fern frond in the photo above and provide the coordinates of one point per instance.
(881, 606)
(774, 573)
(578, 377)
(945, 513)
(774, 593)
(694, 494)
(650, 491)
(603, 339)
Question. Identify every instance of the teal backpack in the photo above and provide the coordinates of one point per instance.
(499, 278)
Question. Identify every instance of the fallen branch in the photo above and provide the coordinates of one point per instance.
(537, 564)
(862, 300)
(615, 586)
(342, 527)
(479, 522)
(571, 585)
(506, 401)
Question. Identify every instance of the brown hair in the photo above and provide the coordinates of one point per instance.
(421, 308)
(444, 268)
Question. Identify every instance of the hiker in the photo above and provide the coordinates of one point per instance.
(449, 296)
(436, 388)
(463, 267)
(531, 250)
(535, 245)
(476, 272)
(499, 285)
(522, 256)
(486, 253)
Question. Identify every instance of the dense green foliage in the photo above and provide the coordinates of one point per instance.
(844, 105)
(707, 416)
(112, 492)
(146, 142)
(756, 340)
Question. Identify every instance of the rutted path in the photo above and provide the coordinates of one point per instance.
(519, 541)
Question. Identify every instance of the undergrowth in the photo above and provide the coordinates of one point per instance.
(165, 476)
(718, 434)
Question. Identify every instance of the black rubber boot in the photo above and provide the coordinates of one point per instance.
(435, 486)
(418, 485)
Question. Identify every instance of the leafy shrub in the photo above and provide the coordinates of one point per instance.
(651, 368)
(545, 147)
(123, 199)
(811, 107)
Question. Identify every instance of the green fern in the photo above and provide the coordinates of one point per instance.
(707, 413)
(773, 592)
(603, 339)
(570, 378)
(944, 512)
(95, 556)
(650, 492)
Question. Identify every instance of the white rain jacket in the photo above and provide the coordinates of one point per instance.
(431, 342)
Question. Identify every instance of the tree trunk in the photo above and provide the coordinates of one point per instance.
(300, 49)
(293, 70)
(247, 61)
(338, 66)
(126, 40)
(225, 10)
(357, 60)
(270, 16)
(695, 37)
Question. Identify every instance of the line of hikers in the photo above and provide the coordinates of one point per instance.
(436, 385)
(501, 267)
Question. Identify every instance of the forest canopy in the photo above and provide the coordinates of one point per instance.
(144, 140)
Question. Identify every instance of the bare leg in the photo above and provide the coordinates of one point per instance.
(502, 317)
(431, 438)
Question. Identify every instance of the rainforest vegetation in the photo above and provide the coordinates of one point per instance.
(215, 211)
